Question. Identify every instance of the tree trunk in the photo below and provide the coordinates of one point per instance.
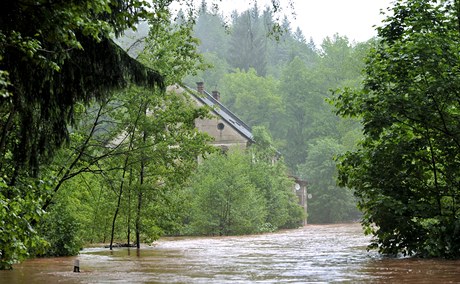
(125, 166)
(139, 196)
(129, 208)
(117, 209)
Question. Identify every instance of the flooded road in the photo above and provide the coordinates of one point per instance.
(314, 254)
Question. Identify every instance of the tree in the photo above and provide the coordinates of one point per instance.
(146, 131)
(289, 45)
(329, 203)
(247, 45)
(55, 55)
(341, 62)
(304, 107)
(255, 98)
(225, 202)
(210, 29)
(270, 176)
(405, 174)
(243, 192)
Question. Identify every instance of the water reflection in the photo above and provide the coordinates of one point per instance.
(332, 253)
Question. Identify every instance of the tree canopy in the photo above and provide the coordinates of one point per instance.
(289, 96)
(405, 174)
(54, 54)
(57, 59)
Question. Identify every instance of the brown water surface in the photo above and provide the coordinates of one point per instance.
(313, 254)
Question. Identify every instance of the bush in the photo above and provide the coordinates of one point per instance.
(61, 231)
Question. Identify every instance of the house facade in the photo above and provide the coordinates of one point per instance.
(225, 127)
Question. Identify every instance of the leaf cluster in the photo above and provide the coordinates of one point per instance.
(232, 194)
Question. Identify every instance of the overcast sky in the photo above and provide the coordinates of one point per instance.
(321, 18)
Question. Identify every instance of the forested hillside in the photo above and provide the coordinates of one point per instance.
(283, 82)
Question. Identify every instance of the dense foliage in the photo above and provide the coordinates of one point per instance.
(44, 46)
(131, 147)
(242, 193)
(133, 165)
(59, 69)
(283, 85)
(136, 147)
(53, 55)
(406, 173)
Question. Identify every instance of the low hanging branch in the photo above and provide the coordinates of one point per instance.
(44, 100)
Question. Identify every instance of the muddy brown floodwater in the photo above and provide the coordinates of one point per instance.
(313, 254)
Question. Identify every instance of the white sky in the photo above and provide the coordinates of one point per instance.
(321, 18)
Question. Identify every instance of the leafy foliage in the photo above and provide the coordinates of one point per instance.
(233, 194)
(17, 213)
(252, 96)
(129, 152)
(329, 203)
(60, 230)
(406, 172)
(55, 55)
(290, 99)
(224, 200)
(61, 56)
(247, 45)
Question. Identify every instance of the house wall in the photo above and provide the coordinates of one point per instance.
(300, 189)
(224, 134)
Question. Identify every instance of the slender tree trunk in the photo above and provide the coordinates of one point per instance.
(125, 166)
(139, 196)
(138, 218)
(129, 207)
(5, 131)
(67, 172)
(117, 209)
(435, 172)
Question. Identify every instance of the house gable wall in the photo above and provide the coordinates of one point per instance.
(224, 134)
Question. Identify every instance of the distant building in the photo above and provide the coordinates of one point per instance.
(300, 189)
(225, 127)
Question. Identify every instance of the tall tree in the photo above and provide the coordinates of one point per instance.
(247, 46)
(53, 55)
(210, 28)
(305, 107)
(342, 62)
(224, 201)
(242, 193)
(270, 176)
(255, 98)
(406, 173)
(329, 203)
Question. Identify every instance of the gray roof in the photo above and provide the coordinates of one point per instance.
(223, 112)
